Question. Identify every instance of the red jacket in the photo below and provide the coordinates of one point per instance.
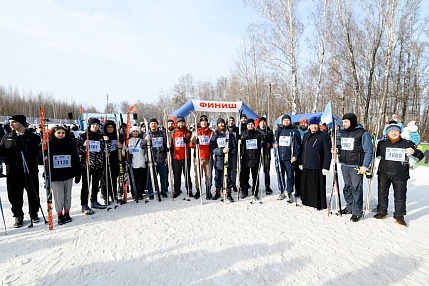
(204, 135)
(179, 139)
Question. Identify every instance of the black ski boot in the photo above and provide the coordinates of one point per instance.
(217, 195)
(289, 197)
(67, 218)
(268, 190)
(228, 196)
(18, 221)
(208, 193)
(197, 194)
(61, 219)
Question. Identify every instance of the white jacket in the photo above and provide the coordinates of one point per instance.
(140, 159)
(406, 133)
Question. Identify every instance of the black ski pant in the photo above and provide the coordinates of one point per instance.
(16, 183)
(140, 178)
(95, 176)
(112, 183)
(178, 169)
(244, 179)
(399, 194)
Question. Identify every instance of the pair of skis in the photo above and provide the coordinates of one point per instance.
(370, 177)
(334, 184)
(197, 159)
(128, 163)
(152, 165)
(47, 167)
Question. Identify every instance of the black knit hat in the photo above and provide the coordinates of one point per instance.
(180, 119)
(243, 115)
(286, 116)
(204, 118)
(109, 122)
(250, 120)
(153, 120)
(262, 119)
(19, 118)
(352, 118)
(221, 120)
(93, 120)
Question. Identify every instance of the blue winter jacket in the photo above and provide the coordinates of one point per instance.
(292, 140)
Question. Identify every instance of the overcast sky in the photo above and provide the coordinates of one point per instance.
(83, 49)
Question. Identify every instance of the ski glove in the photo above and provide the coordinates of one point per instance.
(196, 141)
(77, 178)
(301, 167)
(325, 172)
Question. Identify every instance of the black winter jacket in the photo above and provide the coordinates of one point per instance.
(216, 148)
(396, 169)
(113, 138)
(251, 148)
(11, 146)
(66, 166)
(96, 158)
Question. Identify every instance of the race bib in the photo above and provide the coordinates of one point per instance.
(134, 150)
(113, 146)
(204, 140)
(179, 142)
(347, 144)
(221, 142)
(251, 144)
(157, 142)
(395, 154)
(284, 141)
(62, 161)
(94, 146)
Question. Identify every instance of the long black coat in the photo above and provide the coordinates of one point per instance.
(316, 151)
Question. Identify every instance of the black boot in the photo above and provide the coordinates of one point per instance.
(197, 194)
(217, 195)
(18, 221)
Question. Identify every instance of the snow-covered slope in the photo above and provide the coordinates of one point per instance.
(185, 243)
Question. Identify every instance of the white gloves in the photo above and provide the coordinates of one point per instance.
(301, 167)
(325, 172)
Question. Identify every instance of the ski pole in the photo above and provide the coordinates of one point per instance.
(26, 170)
(4, 222)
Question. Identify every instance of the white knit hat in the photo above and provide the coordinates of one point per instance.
(134, 128)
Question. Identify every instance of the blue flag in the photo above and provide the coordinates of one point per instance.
(327, 114)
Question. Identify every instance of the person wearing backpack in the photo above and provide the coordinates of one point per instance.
(411, 133)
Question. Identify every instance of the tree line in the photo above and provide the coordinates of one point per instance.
(368, 57)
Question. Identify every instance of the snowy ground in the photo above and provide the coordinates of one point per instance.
(185, 243)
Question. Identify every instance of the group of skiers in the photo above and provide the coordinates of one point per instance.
(303, 158)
